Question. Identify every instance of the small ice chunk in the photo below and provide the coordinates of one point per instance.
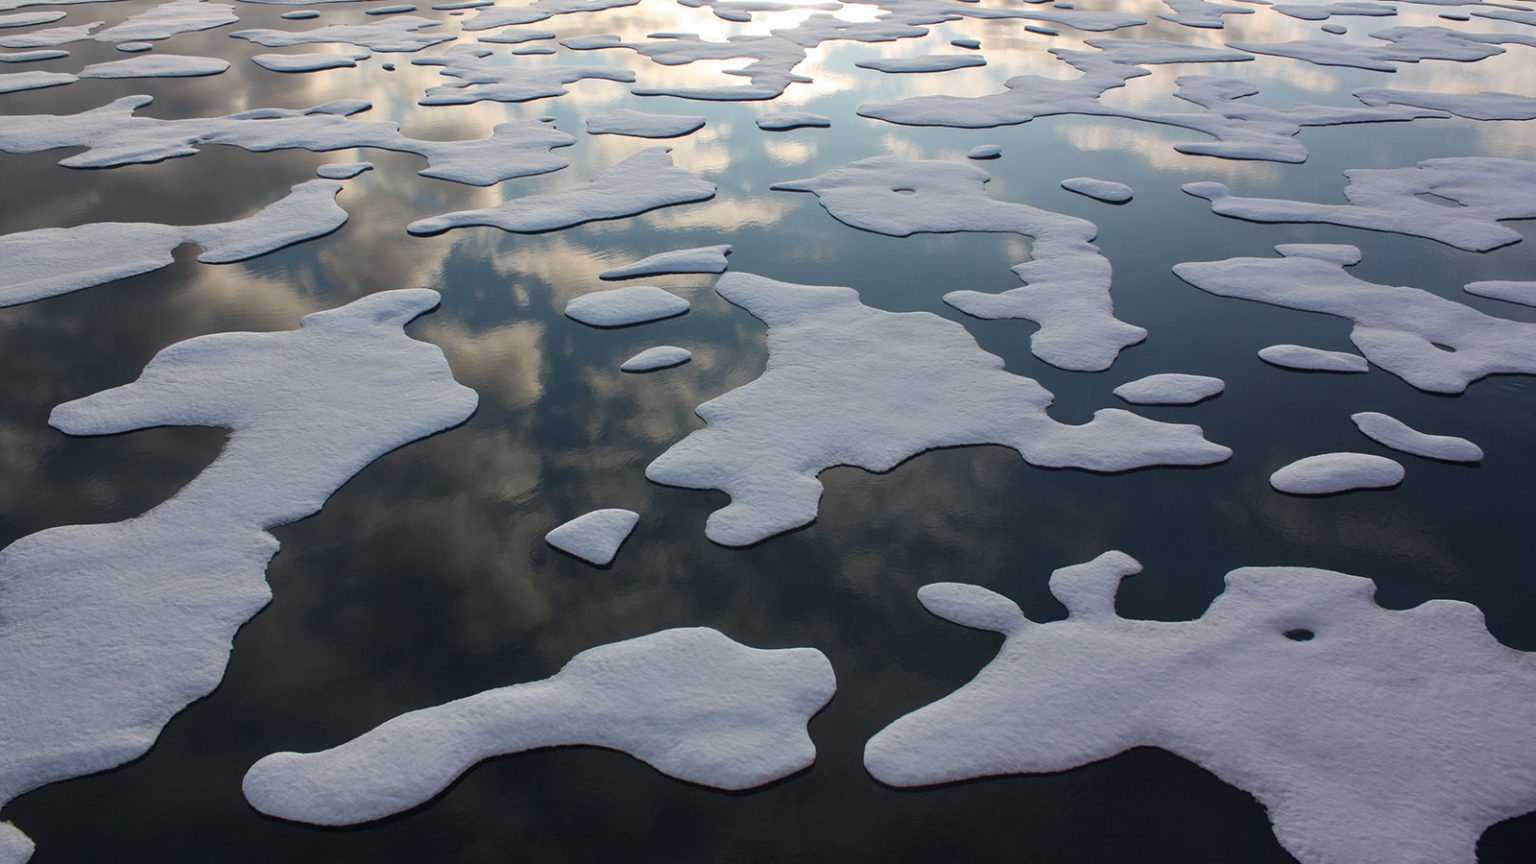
(784, 121)
(594, 537)
(984, 151)
(15, 82)
(690, 702)
(972, 44)
(659, 357)
(923, 63)
(1043, 31)
(157, 66)
(314, 62)
(343, 170)
(394, 9)
(1306, 359)
(50, 37)
(1170, 388)
(1329, 473)
(1523, 293)
(32, 56)
(623, 307)
(641, 124)
(701, 259)
(387, 67)
(170, 19)
(1335, 29)
(1392, 432)
(135, 47)
(301, 15)
(1107, 191)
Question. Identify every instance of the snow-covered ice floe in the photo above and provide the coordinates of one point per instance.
(1108, 191)
(1391, 432)
(624, 307)
(700, 259)
(1170, 388)
(1307, 359)
(643, 124)
(594, 537)
(659, 357)
(1331, 473)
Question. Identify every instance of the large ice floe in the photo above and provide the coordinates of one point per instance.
(157, 23)
(847, 384)
(645, 181)
(51, 261)
(594, 537)
(1332, 473)
(114, 135)
(642, 124)
(1067, 280)
(1397, 45)
(110, 630)
(1485, 189)
(1433, 343)
(476, 74)
(386, 36)
(691, 702)
(1370, 735)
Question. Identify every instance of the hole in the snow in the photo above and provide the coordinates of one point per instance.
(1300, 634)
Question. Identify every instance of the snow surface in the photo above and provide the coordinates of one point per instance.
(1066, 282)
(641, 124)
(700, 259)
(848, 384)
(316, 62)
(1392, 432)
(50, 261)
(1107, 191)
(623, 307)
(594, 537)
(691, 702)
(1329, 473)
(783, 121)
(110, 630)
(1170, 388)
(659, 357)
(923, 63)
(1400, 329)
(645, 181)
(1387, 737)
(1307, 359)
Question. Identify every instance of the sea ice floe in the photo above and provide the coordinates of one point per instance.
(316, 62)
(298, 14)
(343, 170)
(477, 75)
(170, 19)
(1200, 13)
(1322, 12)
(783, 121)
(1474, 106)
(848, 384)
(659, 357)
(1331, 473)
(1307, 359)
(135, 47)
(1433, 343)
(923, 63)
(395, 9)
(1369, 735)
(623, 307)
(642, 124)
(114, 135)
(972, 44)
(1170, 388)
(15, 82)
(50, 261)
(157, 66)
(29, 19)
(386, 36)
(594, 537)
(1523, 293)
(645, 181)
(1335, 29)
(1107, 191)
(1392, 432)
(1401, 45)
(32, 56)
(110, 630)
(700, 259)
(49, 38)
(516, 37)
(984, 151)
(690, 702)
(1485, 189)
(491, 16)
(1067, 281)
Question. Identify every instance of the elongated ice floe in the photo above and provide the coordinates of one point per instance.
(645, 181)
(691, 702)
(110, 630)
(1391, 432)
(32, 56)
(1308, 359)
(477, 75)
(492, 16)
(114, 135)
(1369, 735)
(1433, 343)
(847, 384)
(29, 19)
(594, 537)
(1488, 190)
(642, 124)
(1474, 106)
(343, 170)
(15, 82)
(309, 62)
(1331, 473)
(1107, 191)
(923, 63)
(659, 357)
(623, 307)
(51, 37)
(170, 19)
(984, 151)
(700, 259)
(783, 121)
(1397, 45)
(386, 36)
(1523, 293)
(157, 66)
(50, 261)
(1200, 13)
(1067, 281)
(1322, 11)
(1170, 388)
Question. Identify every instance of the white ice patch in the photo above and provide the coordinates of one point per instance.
(1067, 281)
(492, 16)
(1322, 12)
(923, 63)
(1474, 106)
(1369, 735)
(783, 121)
(113, 135)
(343, 170)
(170, 19)
(984, 151)
(52, 261)
(477, 75)
(15, 82)
(1392, 432)
(157, 66)
(659, 357)
(1487, 190)
(32, 56)
(1331, 473)
(316, 62)
(135, 47)
(1107, 191)
(1200, 13)
(387, 36)
(690, 702)
(1307, 359)
(1170, 388)
(645, 181)
(1399, 45)
(51, 37)
(1433, 343)
(642, 124)
(594, 537)
(1523, 293)
(110, 630)
(624, 307)
(701, 259)
(847, 384)
(29, 19)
